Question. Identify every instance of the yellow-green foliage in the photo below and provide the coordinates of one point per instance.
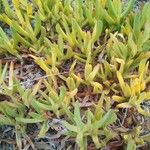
(107, 46)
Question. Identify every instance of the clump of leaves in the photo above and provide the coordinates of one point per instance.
(109, 40)
(114, 13)
(7, 45)
(25, 26)
(137, 29)
(133, 93)
(92, 127)
(134, 138)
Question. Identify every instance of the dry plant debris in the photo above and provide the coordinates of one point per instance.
(74, 74)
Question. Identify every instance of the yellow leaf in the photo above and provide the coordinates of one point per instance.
(11, 75)
(78, 78)
(97, 87)
(92, 74)
(36, 87)
(142, 111)
(41, 63)
(127, 90)
(118, 99)
(121, 81)
(72, 93)
(124, 105)
(69, 96)
(147, 96)
(125, 87)
(29, 9)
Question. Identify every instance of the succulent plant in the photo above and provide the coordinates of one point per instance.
(95, 59)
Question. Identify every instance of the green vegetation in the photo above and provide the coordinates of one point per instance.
(106, 48)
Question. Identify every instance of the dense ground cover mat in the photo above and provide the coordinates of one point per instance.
(74, 74)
